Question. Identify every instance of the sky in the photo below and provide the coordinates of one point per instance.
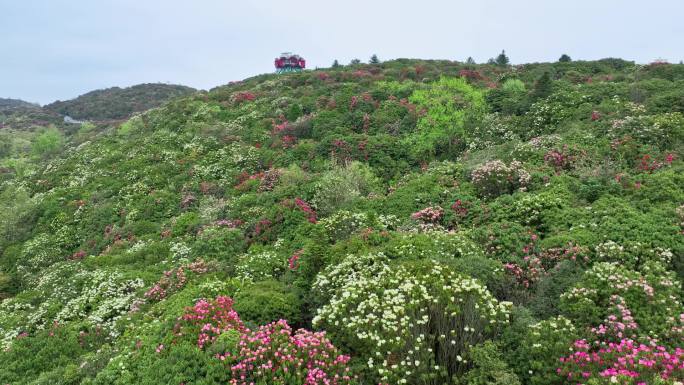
(58, 49)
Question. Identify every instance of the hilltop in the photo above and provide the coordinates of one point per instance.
(412, 221)
(118, 103)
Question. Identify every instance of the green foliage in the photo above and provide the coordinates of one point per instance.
(48, 143)
(489, 368)
(450, 104)
(342, 186)
(267, 301)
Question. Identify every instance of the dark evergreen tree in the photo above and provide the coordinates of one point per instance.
(565, 59)
(336, 64)
(374, 59)
(502, 59)
(355, 61)
(470, 60)
(543, 87)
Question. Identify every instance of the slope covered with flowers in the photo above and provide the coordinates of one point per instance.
(418, 222)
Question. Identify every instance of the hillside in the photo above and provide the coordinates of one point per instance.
(18, 114)
(8, 104)
(118, 103)
(408, 222)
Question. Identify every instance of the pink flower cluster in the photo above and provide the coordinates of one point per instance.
(626, 362)
(306, 208)
(273, 354)
(618, 324)
(209, 318)
(495, 177)
(432, 214)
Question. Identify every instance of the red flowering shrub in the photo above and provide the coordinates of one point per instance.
(293, 261)
(470, 74)
(78, 255)
(174, 280)
(269, 179)
(460, 207)
(563, 159)
(272, 354)
(240, 97)
(306, 208)
(537, 263)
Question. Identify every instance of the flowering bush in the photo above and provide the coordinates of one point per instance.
(306, 208)
(653, 297)
(273, 354)
(208, 319)
(633, 255)
(537, 263)
(343, 223)
(414, 323)
(431, 215)
(174, 280)
(494, 178)
(536, 354)
(260, 266)
(270, 354)
(624, 362)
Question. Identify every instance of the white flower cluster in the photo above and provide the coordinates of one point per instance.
(343, 223)
(632, 254)
(433, 244)
(180, 250)
(411, 319)
(353, 268)
(260, 266)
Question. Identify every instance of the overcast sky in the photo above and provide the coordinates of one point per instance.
(58, 49)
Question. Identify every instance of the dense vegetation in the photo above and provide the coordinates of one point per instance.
(417, 222)
(118, 103)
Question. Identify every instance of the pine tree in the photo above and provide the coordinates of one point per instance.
(374, 59)
(543, 87)
(502, 59)
(336, 64)
(565, 59)
(470, 60)
(355, 61)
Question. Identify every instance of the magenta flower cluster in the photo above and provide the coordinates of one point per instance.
(624, 362)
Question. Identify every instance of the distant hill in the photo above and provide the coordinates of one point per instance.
(6, 104)
(118, 103)
(19, 114)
